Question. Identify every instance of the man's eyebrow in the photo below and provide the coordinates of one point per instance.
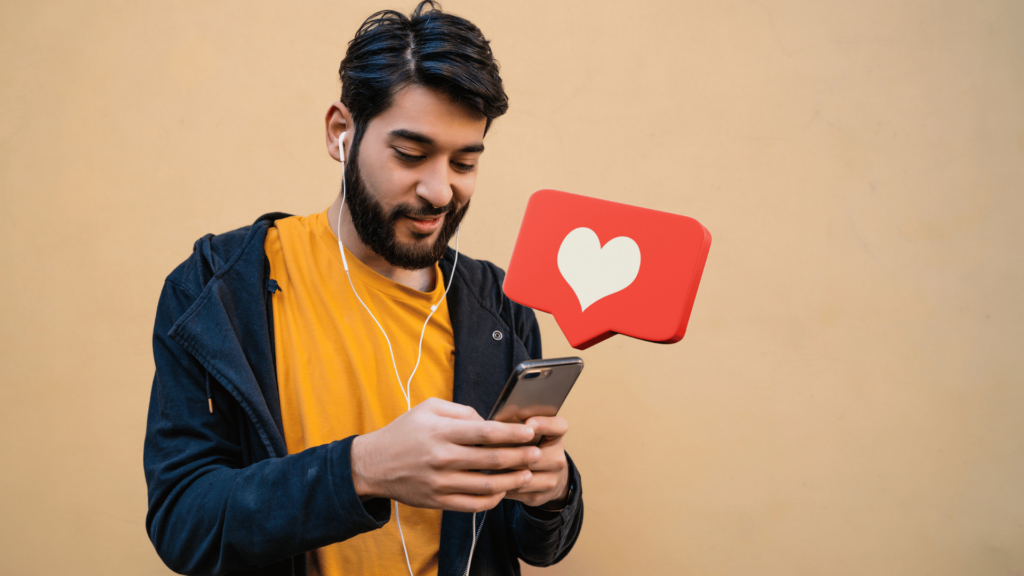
(424, 139)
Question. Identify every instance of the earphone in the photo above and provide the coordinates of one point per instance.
(407, 389)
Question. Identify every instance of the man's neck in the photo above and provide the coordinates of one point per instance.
(423, 279)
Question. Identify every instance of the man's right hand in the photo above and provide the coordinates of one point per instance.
(424, 458)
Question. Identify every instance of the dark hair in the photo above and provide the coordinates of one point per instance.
(440, 51)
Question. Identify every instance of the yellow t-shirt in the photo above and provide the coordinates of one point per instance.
(336, 378)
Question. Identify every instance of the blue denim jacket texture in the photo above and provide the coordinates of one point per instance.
(225, 496)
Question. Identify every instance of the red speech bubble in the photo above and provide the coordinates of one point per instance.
(604, 268)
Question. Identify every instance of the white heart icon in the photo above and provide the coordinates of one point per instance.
(594, 272)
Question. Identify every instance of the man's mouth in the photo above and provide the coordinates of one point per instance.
(425, 225)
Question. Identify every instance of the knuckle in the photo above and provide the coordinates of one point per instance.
(522, 461)
(418, 419)
(434, 482)
(439, 458)
(496, 459)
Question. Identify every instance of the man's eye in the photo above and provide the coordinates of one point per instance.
(407, 157)
(463, 167)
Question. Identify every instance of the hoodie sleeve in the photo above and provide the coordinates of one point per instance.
(209, 512)
(543, 538)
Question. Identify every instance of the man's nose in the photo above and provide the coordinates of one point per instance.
(435, 186)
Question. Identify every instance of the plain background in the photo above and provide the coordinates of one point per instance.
(848, 399)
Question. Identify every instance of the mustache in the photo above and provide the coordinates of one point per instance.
(424, 211)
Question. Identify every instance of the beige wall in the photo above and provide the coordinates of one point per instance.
(847, 400)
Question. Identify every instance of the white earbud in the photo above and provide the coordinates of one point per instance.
(341, 147)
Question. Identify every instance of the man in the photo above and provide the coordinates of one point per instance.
(317, 376)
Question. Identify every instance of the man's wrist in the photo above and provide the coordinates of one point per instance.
(357, 461)
(559, 504)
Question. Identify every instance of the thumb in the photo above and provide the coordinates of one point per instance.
(450, 409)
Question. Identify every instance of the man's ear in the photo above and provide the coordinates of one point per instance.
(338, 120)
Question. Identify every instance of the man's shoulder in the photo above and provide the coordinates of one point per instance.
(482, 281)
(480, 292)
(472, 270)
(483, 276)
(216, 254)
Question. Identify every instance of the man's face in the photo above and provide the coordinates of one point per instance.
(410, 179)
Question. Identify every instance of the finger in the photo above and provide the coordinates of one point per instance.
(552, 459)
(530, 499)
(479, 484)
(525, 493)
(468, 502)
(548, 465)
(487, 432)
(481, 458)
(541, 482)
(548, 443)
(549, 426)
(551, 442)
(449, 409)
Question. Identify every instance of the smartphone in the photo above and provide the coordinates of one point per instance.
(536, 388)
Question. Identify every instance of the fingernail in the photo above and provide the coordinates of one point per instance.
(535, 454)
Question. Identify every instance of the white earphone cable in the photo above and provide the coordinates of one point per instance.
(407, 389)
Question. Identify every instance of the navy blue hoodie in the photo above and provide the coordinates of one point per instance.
(225, 496)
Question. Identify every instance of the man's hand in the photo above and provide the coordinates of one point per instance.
(424, 459)
(550, 481)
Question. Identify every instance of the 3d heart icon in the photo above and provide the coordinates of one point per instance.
(579, 259)
(593, 271)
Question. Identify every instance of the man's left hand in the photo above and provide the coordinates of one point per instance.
(550, 481)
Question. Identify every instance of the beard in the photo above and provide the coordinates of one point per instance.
(376, 226)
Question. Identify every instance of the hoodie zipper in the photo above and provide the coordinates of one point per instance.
(479, 529)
